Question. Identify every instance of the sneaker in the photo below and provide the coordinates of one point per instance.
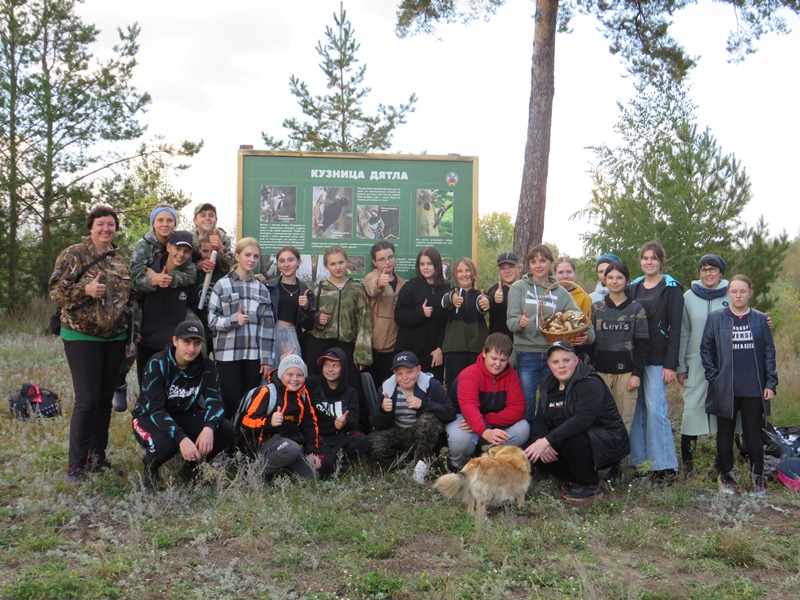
(663, 476)
(759, 489)
(151, 481)
(578, 493)
(614, 476)
(76, 474)
(421, 472)
(188, 472)
(120, 401)
(727, 483)
(99, 465)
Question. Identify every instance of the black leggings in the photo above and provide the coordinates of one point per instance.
(94, 367)
(751, 410)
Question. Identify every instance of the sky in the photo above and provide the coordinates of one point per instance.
(221, 72)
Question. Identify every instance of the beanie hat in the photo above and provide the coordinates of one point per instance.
(713, 260)
(292, 361)
(606, 258)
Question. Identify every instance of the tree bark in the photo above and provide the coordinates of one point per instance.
(529, 225)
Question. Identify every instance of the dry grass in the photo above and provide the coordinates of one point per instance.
(365, 534)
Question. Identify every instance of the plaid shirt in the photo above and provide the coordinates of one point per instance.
(256, 339)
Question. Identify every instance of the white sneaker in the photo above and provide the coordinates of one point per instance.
(421, 472)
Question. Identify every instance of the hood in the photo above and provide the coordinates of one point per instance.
(669, 281)
(482, 368)
(528, 279)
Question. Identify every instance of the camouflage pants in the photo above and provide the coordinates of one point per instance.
(420, 439)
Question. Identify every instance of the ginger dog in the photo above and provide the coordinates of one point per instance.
(499, 476)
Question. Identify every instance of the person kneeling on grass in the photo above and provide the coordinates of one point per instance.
(287, 433)
(180, 408)
(411, 416)
(336, 405)
(577, 429)
(490, 402)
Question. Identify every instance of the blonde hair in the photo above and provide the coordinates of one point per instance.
(245, 242)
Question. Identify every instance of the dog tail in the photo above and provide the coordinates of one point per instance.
(453, 486)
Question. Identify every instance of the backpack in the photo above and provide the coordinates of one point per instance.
(247, 439)
(34, 401)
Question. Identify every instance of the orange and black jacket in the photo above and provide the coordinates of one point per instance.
(299, 418)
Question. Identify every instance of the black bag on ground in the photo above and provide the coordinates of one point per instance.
(34, 401)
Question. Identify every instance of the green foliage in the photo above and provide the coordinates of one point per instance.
(637, 31)
(671, 182)
(495, 236)
(66, 116)
(337, 121)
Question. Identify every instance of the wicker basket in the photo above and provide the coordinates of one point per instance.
(566, 336)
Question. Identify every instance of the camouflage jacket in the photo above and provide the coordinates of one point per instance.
(104, 317)
(225, 258)
(349, 317)
(144, 254)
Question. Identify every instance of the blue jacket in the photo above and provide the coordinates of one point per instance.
(716, 352)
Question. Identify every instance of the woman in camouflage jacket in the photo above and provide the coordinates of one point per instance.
(92, 285)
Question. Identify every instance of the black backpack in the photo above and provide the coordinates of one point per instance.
(34, 401)
(247, 439)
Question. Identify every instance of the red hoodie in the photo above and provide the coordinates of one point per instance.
(487, 401)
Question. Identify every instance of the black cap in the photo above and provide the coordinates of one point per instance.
(405, 359)
(190, 329)
(180, 238)
(560, 345)
(508, 258)
(336, 354)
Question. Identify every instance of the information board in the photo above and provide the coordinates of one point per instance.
(315, 200)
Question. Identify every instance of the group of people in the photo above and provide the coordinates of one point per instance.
(275, 369)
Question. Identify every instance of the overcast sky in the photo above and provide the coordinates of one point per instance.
(220, 72)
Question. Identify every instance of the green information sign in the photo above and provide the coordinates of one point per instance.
(315, 200)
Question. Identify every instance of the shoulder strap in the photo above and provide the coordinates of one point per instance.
(97, 260)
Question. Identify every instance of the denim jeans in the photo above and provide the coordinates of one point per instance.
(531, 368)
(463, 443)
(651, 431)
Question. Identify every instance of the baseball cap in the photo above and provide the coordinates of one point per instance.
(180, 238)
(190, 329)
(336, 354)
(508, 258)
(405, 359)
(204, 206)
(560, 345)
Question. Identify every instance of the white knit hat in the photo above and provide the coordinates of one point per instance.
(292, 361)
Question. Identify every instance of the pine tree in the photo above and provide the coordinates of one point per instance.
(337, 122)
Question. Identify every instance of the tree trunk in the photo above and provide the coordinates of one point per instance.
(529, 225)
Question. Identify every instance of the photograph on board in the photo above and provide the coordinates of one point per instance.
(278, 204)
(332, 213)
(378, 222)
(434, 213)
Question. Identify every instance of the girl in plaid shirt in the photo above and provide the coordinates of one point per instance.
(240, 315)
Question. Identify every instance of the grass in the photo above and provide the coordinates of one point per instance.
(365, 534)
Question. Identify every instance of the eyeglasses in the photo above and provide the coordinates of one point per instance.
(708, 270)
(384, 260)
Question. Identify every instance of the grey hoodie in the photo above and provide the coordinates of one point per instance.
(526, 294)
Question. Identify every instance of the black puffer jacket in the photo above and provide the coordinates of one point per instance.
(589, 407)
